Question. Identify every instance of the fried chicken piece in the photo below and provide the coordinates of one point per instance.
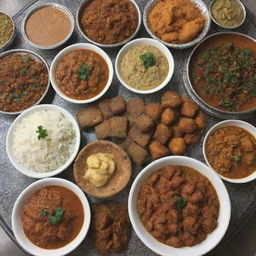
(187, 124)
(158, 150)
(177, 146)
(162, 133)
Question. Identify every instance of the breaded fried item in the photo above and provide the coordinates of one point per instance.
(117, 105)
(104, 106)
(153, 110)
(177, 146)
(89, 117)
(162, 133)
(158, 150)
(144, 123)
(192, 138)
(187, 124)
(168, 116)
(137, 153)
(171, 99)
(139, 137)
(189, 108)
(135, 107)
(177, 133)
(200, 120)
(118, 126)
(103, 130)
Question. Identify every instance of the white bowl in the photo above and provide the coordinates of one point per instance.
(248, 127)
(79, 46)
(9, 142)
(17, 223)
(224, 214)
(158, 45)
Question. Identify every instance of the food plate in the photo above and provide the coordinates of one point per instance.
(12, 183)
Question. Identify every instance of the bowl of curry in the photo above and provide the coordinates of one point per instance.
(81, 73)
(229, 148)
(221, 72)
(179, 206)
(51, 217)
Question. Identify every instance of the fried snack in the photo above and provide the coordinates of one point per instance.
(135, 107)
(89, 117)
(118, 126)
(176, 21)
(171, 99)
(162, 133)
(111, 228)
(139, 137)
(201, 120)
(158, 150)
(144, 123)
(192, 138)
(177, 146)
(103, 130)
(104, 106)
(187, 124)
(117, 105)
(189, 108)
(177, 133)
(153, 110)
(168, 116)
(137, 153)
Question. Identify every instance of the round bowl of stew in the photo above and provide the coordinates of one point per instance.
(24, 80)
(179, 206)
(81, 73)
(221, 73)
(144, 65)
(43, 141)
(229, 148)
(51, 217)
(108, 23)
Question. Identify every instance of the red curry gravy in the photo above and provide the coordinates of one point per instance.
(52, 217)
(235, 95)
(82, 74)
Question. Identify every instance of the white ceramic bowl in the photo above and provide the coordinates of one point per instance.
(9, 142)
(158, 45)
(79, 46)
(224, 215)
(17, 223)
(248, 127)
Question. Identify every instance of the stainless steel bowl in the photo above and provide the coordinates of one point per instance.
(234, 27)
(81, 8)
(64, 9)
(199, 4)
(37, 58)
(9, 42)
(210, 109)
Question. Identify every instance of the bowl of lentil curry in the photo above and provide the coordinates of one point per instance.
(221, 72)
(24, 80)
(81, 73)
(7, 31)
(108, 23)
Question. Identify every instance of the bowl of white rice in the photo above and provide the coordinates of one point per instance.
(43, 141)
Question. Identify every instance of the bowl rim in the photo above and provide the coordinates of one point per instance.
(54, 5)
(195, 41)
(160, 46)
(224, 214)
(190, 82)
(238, 123)
(39, 175)
(80, 9)
(13, 32)
(225, 27)
(81, 46)
(3, 54)
(17, 226)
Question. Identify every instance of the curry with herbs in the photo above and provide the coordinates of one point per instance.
(231, 151)
(223, 72)
(52, 217)
(178, 206)
(82, 74)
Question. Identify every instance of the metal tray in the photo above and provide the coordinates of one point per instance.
(12, 182)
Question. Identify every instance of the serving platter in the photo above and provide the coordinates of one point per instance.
(12, 183)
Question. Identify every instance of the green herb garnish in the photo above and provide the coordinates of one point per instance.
(25, 58)
(148, 59)
(43, 212)
(180, 203)
(235, 158)
(57, 216)
(84, 72)
(42, 133)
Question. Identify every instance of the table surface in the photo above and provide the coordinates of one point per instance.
(243, 244)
